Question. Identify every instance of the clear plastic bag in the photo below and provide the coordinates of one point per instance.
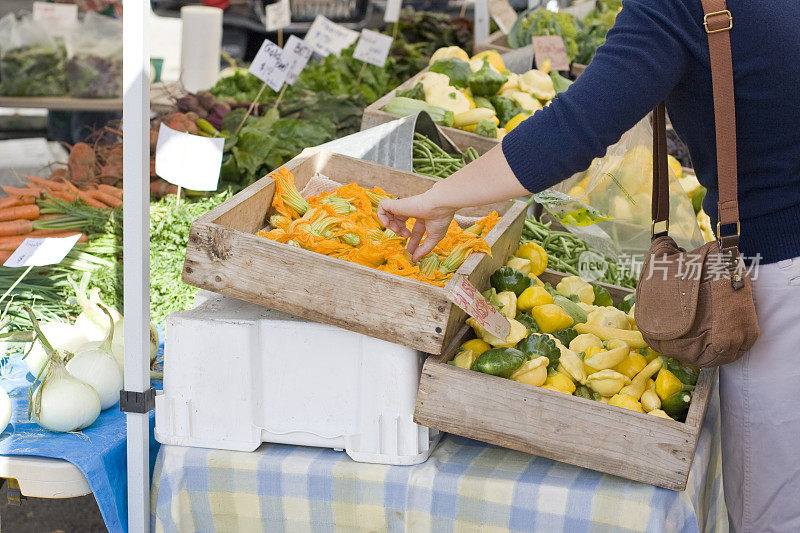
(33, 61)
(94, 69)
(609, 205)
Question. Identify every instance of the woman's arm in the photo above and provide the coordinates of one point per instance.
(644, 57)
(487, 180)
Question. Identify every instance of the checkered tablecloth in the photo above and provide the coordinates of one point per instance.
(464, 486)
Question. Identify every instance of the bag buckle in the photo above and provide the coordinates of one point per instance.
(653, 228)
(729, 248)
(714, 14)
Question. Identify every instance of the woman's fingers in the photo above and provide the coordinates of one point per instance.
(391, 219)
(416, 236)
(425, 248)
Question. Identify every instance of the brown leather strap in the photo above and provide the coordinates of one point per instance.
(717, 23)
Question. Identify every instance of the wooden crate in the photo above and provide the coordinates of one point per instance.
(224, 256)
(565, 428)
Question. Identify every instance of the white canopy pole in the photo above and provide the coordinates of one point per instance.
(136, 249)
(481, 21)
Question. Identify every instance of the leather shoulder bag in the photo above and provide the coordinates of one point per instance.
(698, 306)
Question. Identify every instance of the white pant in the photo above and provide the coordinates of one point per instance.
(760, 400)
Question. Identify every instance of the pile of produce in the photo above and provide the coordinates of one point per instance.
(564, 251)
(572, 339)
(34, 70)
(431, 160)
(540, 21)
(343, 224)
(94, 76)
(477, 94)
(582, 38)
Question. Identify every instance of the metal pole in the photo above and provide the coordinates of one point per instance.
(481, 21)
(136, 249)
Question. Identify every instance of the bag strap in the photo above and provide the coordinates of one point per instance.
(717, 22)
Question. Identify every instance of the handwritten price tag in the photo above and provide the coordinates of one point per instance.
(296, 54)
(373, 48)
(188, 161)
(278, 15)
(61, 15)
(503, 14)
(552, 48)
(41, 252)
(269, 65)
(468, 298)
(391, 12)
(326, 37)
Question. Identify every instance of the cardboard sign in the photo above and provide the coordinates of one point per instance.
(391, 12)
(188, 161)
(468, 298)
(269, 65)
(552, 48)
(296, 54)
(41, 252)
(61, 15)
(503, 15)
(278, 15)
(326, 37)
(373, 48)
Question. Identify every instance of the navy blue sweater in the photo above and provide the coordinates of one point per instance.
(657, 51)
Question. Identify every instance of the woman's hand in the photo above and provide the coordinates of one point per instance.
(486, 180)
(431, 221)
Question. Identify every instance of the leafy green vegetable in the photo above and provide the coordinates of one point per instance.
(35, 70)
(594, 28)
(540, 21)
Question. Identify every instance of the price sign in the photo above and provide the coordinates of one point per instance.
(392, 11)
(269, 65)
(188, 161)
(468, 298)
(373, 48)
(61, 15)
(503, 14)
(279, 15)
(326, 37)
(296, 54)
(41, 252)
(550, 48)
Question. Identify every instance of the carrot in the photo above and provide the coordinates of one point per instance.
(67, 196)
(81, 162)
(15, 227)
(4, 255)
(99, 195)
(28, 212)
(52, 233)
(18, 191)
(12, 243)
(91, 200)
(50, 184)
(109, 189)
(11, 201)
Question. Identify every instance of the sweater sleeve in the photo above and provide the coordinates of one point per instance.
(643, 58)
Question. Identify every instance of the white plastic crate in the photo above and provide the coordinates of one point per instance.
(238, 374)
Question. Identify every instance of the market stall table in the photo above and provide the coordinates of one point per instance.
(64, 465)
(464, 485)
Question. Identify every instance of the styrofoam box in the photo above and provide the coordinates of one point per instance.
(238, 374)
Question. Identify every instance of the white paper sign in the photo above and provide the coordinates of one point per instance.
(61, 15)
(326, 37)
(188, 161)
(373, 48)
(296, 54)
(392, 11)
(269, 65)
(279, 15)
(41, 252)
(503, 14)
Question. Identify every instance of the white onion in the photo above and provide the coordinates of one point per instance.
(98, 367)
(60, 401)
(62, 337)
(5, 410)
